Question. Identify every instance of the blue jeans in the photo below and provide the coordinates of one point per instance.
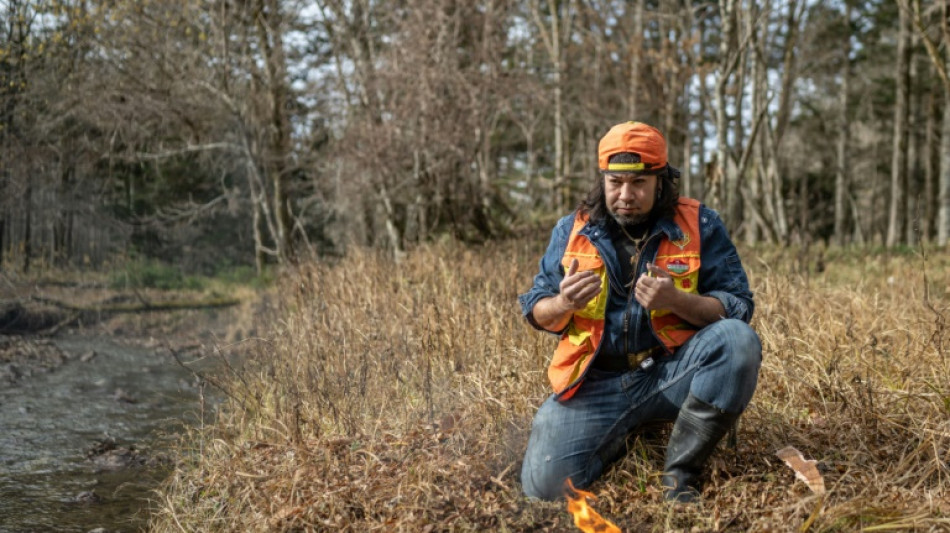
(578, 438)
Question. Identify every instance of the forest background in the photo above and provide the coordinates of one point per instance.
(228, 133)
(263, 133)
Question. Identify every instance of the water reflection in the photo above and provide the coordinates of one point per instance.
(135, 397)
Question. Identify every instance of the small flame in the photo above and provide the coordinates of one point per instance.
(585, 517)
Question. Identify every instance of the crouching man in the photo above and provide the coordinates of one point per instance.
(652, 305)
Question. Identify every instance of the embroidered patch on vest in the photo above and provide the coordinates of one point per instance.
(682, 242)
(677, 266)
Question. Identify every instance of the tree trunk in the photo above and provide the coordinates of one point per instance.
(844, 133)
(669, 51)
(259, 250)
(943, 224)
(774, 187)
(778, 164)
(686, 173)
(857, 235)
(726, 68)
(941, 66)
(899, 155)
(392, 228)
(733, 200)
(753, 193)
(803, 211)
(28, 225)
(270, 27)
(931, 166)
(560, 196)
(636, 51)
(694, 185)
(551, 37)
(699, 185)
(913, 205)
(62, 221)
(789, 65)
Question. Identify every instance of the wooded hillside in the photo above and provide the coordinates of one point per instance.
(241, 131)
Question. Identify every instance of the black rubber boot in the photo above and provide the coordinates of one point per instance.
(698, 428)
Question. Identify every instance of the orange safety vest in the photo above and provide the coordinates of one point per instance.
(579, 342)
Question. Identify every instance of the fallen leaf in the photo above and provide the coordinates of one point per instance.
(805, 469)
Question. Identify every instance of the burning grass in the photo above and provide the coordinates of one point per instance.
(399, 397)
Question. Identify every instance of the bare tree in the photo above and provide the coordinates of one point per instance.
(388, 124)
(942, 67)
(943, 219)
(730, 54)
(899, 154)
(269, 20)
(635, 41)
(15, 49)
(554, 28)
(844, 131)
(212, 87)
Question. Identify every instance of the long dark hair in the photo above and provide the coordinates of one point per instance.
(595, 205)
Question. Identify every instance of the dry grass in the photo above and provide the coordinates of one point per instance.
(399, 397)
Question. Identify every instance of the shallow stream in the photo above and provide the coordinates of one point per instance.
(137, 398)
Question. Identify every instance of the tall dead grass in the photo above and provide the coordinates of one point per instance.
(399, 397)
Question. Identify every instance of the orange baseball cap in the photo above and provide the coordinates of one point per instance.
(632, 137)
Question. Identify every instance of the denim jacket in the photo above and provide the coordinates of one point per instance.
(721, 276)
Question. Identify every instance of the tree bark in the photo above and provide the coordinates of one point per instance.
(669, 52)
(913, 204)
(931, 163)
(636, 51)
(943, 219)
(552, 35)
(753, 193)
(270, 29)
(694, 185)
(899, 155)
(28, 226)
(783, 114)
(727, 64)
(686, 172)
(942, 67)
(844, 133)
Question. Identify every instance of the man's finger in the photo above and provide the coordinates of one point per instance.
(590, 290)
(585, 295)
(657, 271)
(584, 281)
(572, 269)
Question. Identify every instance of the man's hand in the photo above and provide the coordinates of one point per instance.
(656, 290)
(578, 288)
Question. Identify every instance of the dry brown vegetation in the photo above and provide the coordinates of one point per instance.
(399, 397)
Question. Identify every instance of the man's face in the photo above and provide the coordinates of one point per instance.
(630, 197)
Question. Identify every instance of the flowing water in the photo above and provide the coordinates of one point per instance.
(136, 397)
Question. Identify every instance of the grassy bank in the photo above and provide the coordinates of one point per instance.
(399, 397)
